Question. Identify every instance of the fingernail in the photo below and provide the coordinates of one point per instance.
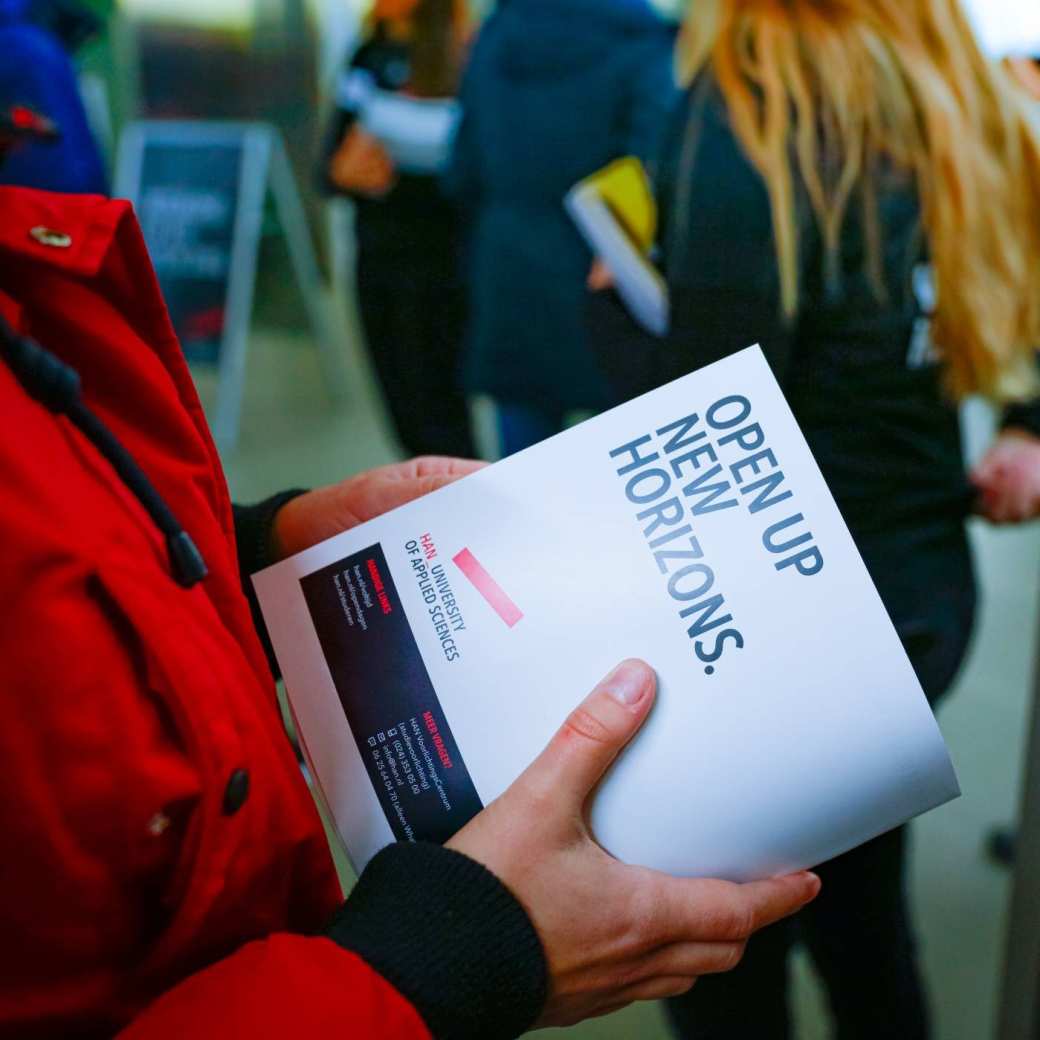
(628, 683)
(814, 881)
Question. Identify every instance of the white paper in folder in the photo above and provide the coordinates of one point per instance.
(429, 654)
(416, 132)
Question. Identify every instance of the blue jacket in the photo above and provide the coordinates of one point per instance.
(554, 91)
(36, 71)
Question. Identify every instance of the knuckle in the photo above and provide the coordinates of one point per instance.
(622, 978)
(745, 921)
(430, 482)
(583, 724)
(732, 918)
(648, 915)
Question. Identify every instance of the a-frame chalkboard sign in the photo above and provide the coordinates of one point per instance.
(200, 189)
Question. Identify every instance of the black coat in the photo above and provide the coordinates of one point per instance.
(555, 90)
(857, 370)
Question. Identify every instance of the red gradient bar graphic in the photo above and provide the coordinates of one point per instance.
(496, 596)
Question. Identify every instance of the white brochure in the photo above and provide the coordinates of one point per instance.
(639, 284)
(430, 654)
(416, 132)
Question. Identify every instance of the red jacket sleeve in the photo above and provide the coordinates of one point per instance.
(167, 870)
(283, 986)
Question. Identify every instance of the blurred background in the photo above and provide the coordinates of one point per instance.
(309, 417)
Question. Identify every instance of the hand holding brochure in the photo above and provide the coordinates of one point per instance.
(431, 653)
(416, 132)
(615, 211)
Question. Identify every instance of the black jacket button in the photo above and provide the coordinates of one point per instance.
(236, 792)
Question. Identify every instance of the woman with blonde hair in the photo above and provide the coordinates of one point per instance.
(854, 185)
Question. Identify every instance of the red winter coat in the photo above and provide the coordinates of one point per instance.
(130, 869)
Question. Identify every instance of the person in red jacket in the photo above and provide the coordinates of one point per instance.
(165, 872)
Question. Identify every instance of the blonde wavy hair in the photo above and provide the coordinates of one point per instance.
(835, 92)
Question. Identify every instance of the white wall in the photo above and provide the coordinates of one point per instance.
(1007, 26)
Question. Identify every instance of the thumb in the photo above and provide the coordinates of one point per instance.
(595, 732)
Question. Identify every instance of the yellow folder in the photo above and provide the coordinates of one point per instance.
(625, 188)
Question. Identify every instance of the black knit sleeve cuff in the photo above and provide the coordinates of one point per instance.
(450, 937)
(253, 526)
(1023, 417)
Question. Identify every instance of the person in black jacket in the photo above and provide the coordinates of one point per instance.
(554, 91)
(409, 282)
(852, 185)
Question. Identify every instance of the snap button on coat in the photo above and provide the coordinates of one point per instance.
(49, 237)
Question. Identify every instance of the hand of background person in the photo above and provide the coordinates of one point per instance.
(600, 276)
(1008, 479)
(324, 512)
(361, 165)
(612, 933)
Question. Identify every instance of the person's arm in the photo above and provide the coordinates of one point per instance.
(717, 244)
(429, 944)
(1023, 418)
(101, 907)
(514, 922)
(521, 920)
(352, 162)
(254, 543)
(462, 179)
(292, 521)
(341, 122)
(649, 98)
(1008, 476)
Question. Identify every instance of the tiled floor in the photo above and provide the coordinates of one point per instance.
(292, 435)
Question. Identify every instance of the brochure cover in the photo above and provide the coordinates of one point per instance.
(417, 132)
(615, 211)
(431, 653)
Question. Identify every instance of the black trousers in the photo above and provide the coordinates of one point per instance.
(413, 315)
(859, 931)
